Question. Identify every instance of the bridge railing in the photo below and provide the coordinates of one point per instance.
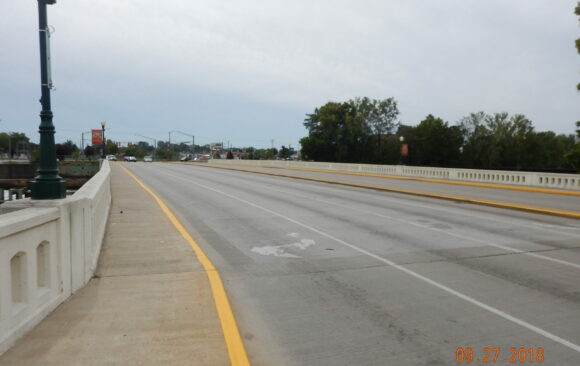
(521, 178)
(47, 252)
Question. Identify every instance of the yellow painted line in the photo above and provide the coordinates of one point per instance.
(235, 346)
(511, 206)
(427, 180)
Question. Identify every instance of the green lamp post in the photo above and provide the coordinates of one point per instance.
(47, 184)
(104, 142)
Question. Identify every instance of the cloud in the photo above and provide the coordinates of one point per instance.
(264, 64)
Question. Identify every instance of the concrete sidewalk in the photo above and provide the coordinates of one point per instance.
(149, 304)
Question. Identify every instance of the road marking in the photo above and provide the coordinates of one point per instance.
(532, 224)
(500, 246)
(511, 206)
(427, 180)
(235, 346)
(460, 236)
(280, 250)
(464, 237)
(449, 290)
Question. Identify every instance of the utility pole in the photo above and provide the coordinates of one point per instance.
(83, 139)
(154, 144)
(47, 184)
(192, 141)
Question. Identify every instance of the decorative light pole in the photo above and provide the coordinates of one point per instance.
(47, 184)
(103, 123)
(403, 149)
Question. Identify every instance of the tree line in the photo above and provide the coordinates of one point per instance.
(363, 130)
(14, 144)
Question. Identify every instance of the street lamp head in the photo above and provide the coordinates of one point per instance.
(103, 123)
(49, 2)
(402, 138)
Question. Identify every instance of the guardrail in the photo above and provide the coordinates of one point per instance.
(521, 178)
(11, 194)
(48, 252)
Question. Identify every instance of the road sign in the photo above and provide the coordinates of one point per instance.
(97, 137)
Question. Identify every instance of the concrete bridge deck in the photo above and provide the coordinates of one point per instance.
(149, 304)
(318, 274)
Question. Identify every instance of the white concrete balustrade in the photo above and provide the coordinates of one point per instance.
(521, 178)
(49, 251)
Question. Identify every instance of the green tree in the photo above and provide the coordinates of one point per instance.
(284, 153)
(166, 154)
(435, 143)
(90, 151)
(249, 153)
(335, 133)
(499, 141)
(476, 139)
(510, 140)
(14, 143)
(264, 154)
(143, 145)
(379, 115)
(135, 151)
(112, 148)
(65, 149)
(163, 145)
(550, 151)
(573, 156)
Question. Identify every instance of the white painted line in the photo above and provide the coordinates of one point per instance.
(532, 225)
(449, 290)
(464, 237)
(487, 243)
(280, 250)
(528, 223)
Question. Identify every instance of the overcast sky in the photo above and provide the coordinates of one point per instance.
(248, 71)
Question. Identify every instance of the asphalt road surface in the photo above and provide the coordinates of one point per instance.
(543, 200)
(322, 274)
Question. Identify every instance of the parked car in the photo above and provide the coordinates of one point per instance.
(111, 157)
(130, 158)
(148, 159)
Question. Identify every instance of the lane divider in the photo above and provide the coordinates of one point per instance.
(426, 180)
(505, 205)
(236, 350)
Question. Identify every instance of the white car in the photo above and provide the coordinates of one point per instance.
(130, 158)
(111, 157)
(148, 159)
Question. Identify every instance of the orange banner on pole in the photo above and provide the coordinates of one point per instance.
(405, 150)
(97, 137)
